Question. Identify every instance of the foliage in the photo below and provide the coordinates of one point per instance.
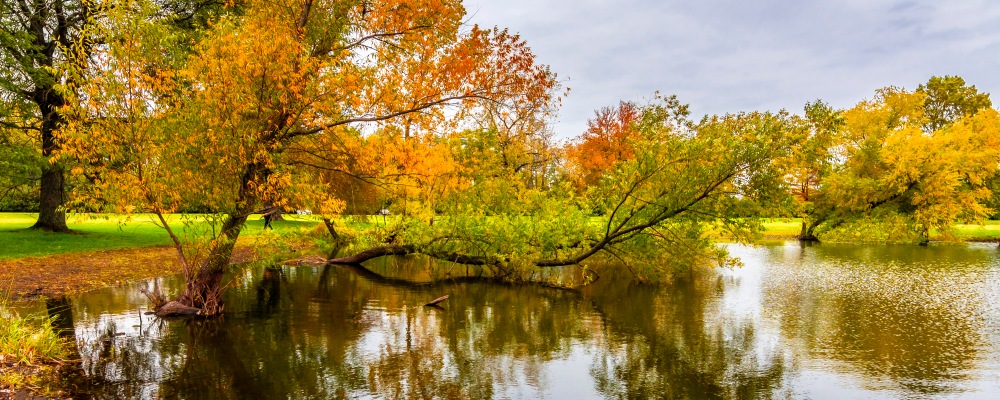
(811, 161)
(654, 210)
(889, 168)
(21, 163)
(272, 90)
(39, 42)
(948, 99)
(611, 135)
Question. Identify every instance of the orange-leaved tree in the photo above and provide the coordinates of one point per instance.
(610, 138)
(229, 125)
(606, 142)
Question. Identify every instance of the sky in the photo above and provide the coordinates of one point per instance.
(730, 56)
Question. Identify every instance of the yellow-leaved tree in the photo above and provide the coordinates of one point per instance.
(892, 173)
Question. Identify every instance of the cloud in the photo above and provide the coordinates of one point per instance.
(730, 56)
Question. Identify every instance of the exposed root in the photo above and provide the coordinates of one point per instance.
(176, 309)
(156, 298)
(311, 261)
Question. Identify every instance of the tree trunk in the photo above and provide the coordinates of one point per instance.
(52, 192)
(392, 250)
(332, 229)
(806, 234)
(204, 289)
(176, 309)
(925, 235)
(51, 217)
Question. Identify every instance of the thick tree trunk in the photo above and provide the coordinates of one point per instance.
(52, 192)
(51, 217)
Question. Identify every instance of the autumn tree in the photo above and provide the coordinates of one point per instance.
(605, 142)
(658, 207)
(811, 161)
(609, 138)
(950, 98)
(278, 76)
(894, 175)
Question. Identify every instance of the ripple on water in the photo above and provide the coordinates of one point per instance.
(922, 320)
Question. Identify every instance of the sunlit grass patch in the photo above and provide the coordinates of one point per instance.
(782, 227)
(110, 231)
(987, 231)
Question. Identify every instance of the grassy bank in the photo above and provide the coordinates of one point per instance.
(96, 232)
(109, 250)
(93, 232)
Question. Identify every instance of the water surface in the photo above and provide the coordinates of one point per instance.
(822, 322)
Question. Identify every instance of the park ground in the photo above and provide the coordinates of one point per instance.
(109, 250)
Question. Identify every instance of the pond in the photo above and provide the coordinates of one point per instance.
(823, 322)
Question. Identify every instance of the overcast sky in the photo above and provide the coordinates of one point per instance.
(728, 56)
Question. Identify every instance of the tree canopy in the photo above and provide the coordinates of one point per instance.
(881, 168)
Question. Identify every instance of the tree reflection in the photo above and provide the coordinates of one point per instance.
(338, 332)
(661, 344)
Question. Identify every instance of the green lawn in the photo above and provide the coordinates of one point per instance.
(987, 231)
(782, 226)
(106, 232)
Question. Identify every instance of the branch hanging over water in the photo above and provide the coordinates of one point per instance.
(375, 252)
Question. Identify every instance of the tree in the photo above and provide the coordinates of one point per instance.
(220, 127)
(605, 143)
(39, 42)
(657, 207)
(895, 175)
(608, 139)
(948, 99)
(810, 162)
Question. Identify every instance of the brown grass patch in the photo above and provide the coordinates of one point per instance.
(79, 272)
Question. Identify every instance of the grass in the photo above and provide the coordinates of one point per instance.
(94, 232)
(988, 231)
(29, 340)
(782, 228)
(29, 351)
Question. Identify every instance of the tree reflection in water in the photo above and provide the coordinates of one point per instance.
(337, 332)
